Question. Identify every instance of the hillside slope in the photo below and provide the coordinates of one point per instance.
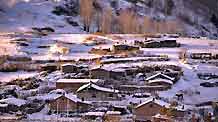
(198, 17)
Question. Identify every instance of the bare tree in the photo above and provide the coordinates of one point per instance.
(86, 13)
(174, 26)
(149, 25)
(106, 21)
(128, 21)
(98, 13)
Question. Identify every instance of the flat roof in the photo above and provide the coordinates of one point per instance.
(77, 80)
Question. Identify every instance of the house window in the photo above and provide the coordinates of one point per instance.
(94, 95)
(150, 105)
(111, 95)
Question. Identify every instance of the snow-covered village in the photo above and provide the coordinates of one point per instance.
(108, 61)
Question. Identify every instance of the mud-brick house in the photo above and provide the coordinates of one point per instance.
(118, 48)
(100, 73)
(69, 68)
(100, 51)
(160, 79)
(68, 103)
(112, 116)
(93, 92)
(151, 44)
(169, 42)
(158, 42)
(151, 107)
(146, 110)
(90, 116)
(73, 84)
(201, 56)
(12, 105)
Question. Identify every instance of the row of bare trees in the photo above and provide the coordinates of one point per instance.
(126, 22)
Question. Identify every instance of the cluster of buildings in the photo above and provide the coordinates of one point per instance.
(85, 96)
(158, 42)
(115, 49)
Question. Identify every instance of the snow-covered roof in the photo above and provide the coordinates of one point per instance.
(74, 98)
(161, 116)
(3, 105)
(159, 102)
(57, 91)
(68, 64)
(94, 114)
(165, 104)
(71, 97)
(14, 101)
(129, 59)
(99, 88)
(158, 80)
(46, 97)
(199, 51)
(159, 74)
(183, 107)
(113, 112)
(77, 80)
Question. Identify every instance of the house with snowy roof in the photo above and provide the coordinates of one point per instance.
(112, 116)
(68, 103)
(12, 104)
(69, 68)
(73, 84)
(93, 92)
(151, 107)
(160, 79)
(205, 55)
(118, 48)
(93, 115)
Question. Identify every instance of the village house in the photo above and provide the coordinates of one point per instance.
(157, 42)
(100, 51)
(89, 116)
(118, 48)
(12, 105)
(151, 107)
(100, 73)
(201, 56)
(160, 79)
(105, 74)
(73, 84)
(93, 92)
(73, 68)
(112, 116)
(68, 103)
(69, 68)
(169, 42)
(132, 89)
(146, 110)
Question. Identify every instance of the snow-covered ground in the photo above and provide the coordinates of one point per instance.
(9, 76)
(21, 16)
